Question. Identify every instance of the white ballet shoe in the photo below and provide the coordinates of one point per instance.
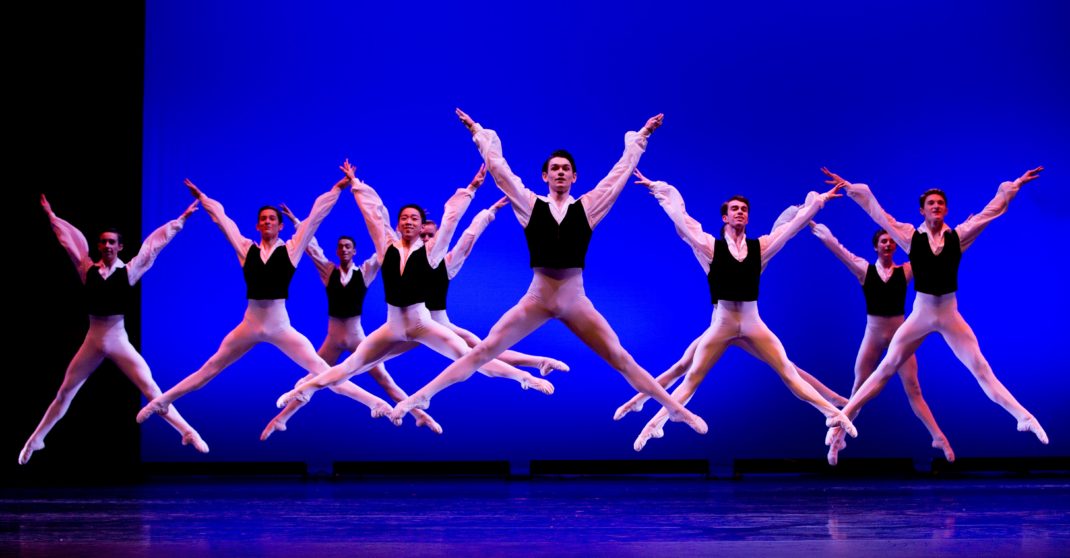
(943, 445)
(1030, 424)
(28, 449)
(409, 403)
(154, 407)
(271, 428)
(429, 422)
(292, 395)
(691, 419)
(649, 431)
(549, 365)
(192, 438)
(538, 384)
(626, 408)
(841, 420)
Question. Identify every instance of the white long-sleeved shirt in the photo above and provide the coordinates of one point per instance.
(74, 242)
(295, 247)
(702, 243)
(596, 203)
(384, 236)
(460, 252)
(369, 268)
(856, 264)
(967, 231)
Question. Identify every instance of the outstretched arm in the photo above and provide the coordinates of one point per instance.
(969, 229)
(688, 228)
(598, 201)
(156, 242)
(451, 215)
(901, 233)
(323, 265)
(490, 147)
(375, 214)
(780, 235)
(71, 239)
(306, 231)
(857, 265)
(457, 256)
(226, 224)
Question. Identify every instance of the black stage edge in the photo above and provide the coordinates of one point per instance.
(227, 469)
(494, 469)
(895, 466)
(607, 467)
(1035, 466)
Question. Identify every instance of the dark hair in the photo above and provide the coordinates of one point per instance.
(420, 210)
(929, 192)
(114, 230)
(430, 222)
(278, 214)
(347, 237)
(724, 206)
(877, 236)
(559, 153)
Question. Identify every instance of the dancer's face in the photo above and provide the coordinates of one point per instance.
(268, 224)
(109, 247)
(738, 214)
(410, 224)
(346, 250)
(885, 247)
(559, 175)
(428, 231)
(935, 208)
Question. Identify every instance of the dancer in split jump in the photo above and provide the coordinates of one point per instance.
(733, 266)
(935, 250)
(109, 285)
(407, 264)
(558, 230)
(884, 285)
(449, 268)
(268, 266)
(346, 285)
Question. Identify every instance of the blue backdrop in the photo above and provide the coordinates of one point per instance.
(258, 102)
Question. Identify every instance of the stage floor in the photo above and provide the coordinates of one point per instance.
(765, 516)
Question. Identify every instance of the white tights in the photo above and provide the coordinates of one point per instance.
(735, 322)
(106, 339)
(266, 321)
(932, 313)
(553, 294)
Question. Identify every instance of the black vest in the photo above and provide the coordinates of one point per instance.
(557, 246)
(438, 285)
(267, 281)
(411, 287)
(885, 299)
(108, 297)
(935, 275)
(345, 301)
(731, 279)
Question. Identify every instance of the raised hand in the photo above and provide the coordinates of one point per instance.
(653, 123)
(189, 210)
(193, 189)
(45, 205)
(467, 121)
(1029, 176)
(834, 192)
(289, 214)
(834, 178)
(349, 170)
(499, 204)
(642, 179)
(478, 179)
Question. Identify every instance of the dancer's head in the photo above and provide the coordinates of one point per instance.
(735, 212)
(410, 221)
(933, 204)
(269, 222)
(109, 244)
(347, 248)
(883, 245)
(559, 171)
(428, 230)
